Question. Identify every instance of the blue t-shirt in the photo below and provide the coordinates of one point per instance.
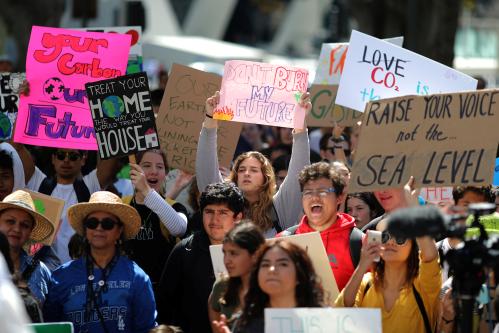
(39, 279)
(127, 306)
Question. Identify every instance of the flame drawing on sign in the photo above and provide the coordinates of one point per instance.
(224, 113)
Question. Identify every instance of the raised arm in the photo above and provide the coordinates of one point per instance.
(26, 159)
(287, 201)
(106, 171)
(206, 155)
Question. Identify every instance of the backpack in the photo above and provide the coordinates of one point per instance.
(82, 192)
(355, 241)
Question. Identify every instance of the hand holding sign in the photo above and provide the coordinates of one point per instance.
(139, 180)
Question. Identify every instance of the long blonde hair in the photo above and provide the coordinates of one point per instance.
(260, 210)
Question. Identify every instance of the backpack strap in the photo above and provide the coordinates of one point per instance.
(290, 231)
(355, 245)
(82, 192)
(422, 309)
(275, 219)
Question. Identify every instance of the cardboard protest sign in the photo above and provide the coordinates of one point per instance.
(135, 61)
(10, 84)
(433, 138)
(49, 207)
(58, 64)
(260, 93)
(330, 320)
(325, 113)
(310, 242)
(375, 69)
(122, 113)
(439, 196)
(181, 116)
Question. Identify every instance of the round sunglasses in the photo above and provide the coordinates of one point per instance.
(106, 223)
(385, 237)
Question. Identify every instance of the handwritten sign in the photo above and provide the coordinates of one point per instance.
(434, 138)
(310, 242)
(9, 102)
(322, 320)
(135, 61)
(440, 196)
(58, 64)
(123, 117)
(375, 69)
(259, 93)
(49, 207)
(325, 113)
(181, 117)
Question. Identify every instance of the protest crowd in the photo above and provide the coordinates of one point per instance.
(128, 225)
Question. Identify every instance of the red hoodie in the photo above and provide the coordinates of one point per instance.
(336, 240)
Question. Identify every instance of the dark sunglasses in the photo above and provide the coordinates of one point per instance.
(71, 155)
(385, 237)
(106, 223)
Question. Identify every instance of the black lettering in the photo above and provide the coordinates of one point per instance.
(428, 167)
(478, 164)
(371, 168)
(441, 166)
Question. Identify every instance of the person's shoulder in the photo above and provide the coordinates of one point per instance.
(372, 225)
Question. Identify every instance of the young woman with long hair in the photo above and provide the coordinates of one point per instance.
(253, 174)
(284, 277)
(405, 283)
(239, 247)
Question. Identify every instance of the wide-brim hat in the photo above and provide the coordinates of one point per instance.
(104, 201)
(22, 200)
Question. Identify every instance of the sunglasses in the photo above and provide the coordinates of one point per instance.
(321, 192)
(71, 155)
(385, 237)
(106, 223)
(347, 152)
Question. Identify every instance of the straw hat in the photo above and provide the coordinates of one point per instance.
(104, 201)
(22, 200)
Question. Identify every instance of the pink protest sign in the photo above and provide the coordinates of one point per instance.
(260, 93)
(58, 64)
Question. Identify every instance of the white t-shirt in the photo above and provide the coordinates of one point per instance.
(68, 194)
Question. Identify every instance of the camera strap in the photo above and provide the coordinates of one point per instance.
(420, 303)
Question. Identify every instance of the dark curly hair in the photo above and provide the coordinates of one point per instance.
(322, 170)
(308, 290)
(223, 193)
(486, 191)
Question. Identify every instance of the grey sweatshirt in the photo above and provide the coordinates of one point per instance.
(287, 201)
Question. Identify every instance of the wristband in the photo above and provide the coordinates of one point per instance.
(209, 116)
(337, 147)
(337, 140)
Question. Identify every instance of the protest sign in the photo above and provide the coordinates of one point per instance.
(10, 84)
(433, 138)
(181, 116)
(439, 196)
(49, 207)
(375, 69)
(122, 113)
(260, 93)
(325, 113)
(312, 244)
(330, 320)
(58, 64)
(135, 61)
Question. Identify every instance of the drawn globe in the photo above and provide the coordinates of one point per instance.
(53, 88)
(113, 106)
(5, 127)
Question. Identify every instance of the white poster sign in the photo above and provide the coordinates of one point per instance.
(375, 69)
(318, 320)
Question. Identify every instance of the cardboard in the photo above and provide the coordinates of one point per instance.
(375, 69)
(135, 61)
(49, 207)
(310, 242)
(58, 64)
(330, 320)
(181, 117)
(10, 84)
(122, 113)
(434, 138)
(325, 113)
(261, 93)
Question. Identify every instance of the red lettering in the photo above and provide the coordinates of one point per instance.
(373, 74)
(62, 64)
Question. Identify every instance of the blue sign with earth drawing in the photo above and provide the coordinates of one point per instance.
(122, 113)
(10, 84)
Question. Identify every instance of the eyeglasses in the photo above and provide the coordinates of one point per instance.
(106, 223)
(385, 237)
(71, 155)
(321, 192)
